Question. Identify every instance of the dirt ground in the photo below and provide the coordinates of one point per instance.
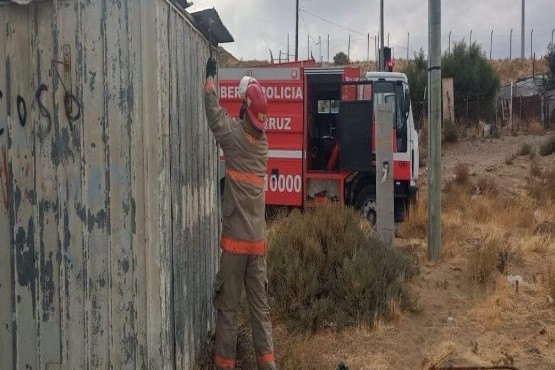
(457, 322)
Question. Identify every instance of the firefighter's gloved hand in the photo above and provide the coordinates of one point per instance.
(211, 67)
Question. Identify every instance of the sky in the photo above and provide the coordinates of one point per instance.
(259, 26)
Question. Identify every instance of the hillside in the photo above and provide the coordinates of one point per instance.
(508, 70)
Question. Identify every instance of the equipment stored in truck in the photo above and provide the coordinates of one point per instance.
(321, 134)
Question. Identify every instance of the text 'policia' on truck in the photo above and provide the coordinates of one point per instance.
(321, 134)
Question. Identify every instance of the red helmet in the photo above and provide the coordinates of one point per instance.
(257, 105)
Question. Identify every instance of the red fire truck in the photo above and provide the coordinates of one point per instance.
(320, 133)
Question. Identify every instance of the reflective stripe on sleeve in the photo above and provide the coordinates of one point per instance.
(245, 177)
(243, 246)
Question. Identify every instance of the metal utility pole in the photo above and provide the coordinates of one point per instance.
(349, 49)
(320, 49)
(511, 45)
(308, 46)
(449, 43)
(470, 42)
(490, 44)
(522, 33)
(382, 64)
(328, 48)
(434, 137)
(408, 43)
(388, 39)
(553, 30)
(376, 39)
(297, 33)
(288, 54)
(368, 48)
(531, 34)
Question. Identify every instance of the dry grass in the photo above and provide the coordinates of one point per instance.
(487, 186)
(535, 169)
(525, 149)
(490, 312)
(541, 185)
(416, 223)
(536, 128)
(485, 259)
(512, 70)
(462, 173)
(539, 244)
(327, 268)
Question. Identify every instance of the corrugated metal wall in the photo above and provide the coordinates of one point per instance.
(108, 222)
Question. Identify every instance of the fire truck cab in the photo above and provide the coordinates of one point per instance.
(321, 134)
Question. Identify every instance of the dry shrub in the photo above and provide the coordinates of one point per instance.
(416, 222)
(541, 185)
(462, 173)
(486, 259)
(548, 146)
(327, 268)
(536, 128)
(487, 186)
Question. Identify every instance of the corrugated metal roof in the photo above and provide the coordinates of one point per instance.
(529, 86)
(208, 22)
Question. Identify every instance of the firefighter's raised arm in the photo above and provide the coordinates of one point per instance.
(218, 119)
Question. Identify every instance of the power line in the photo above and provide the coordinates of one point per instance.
(332, 23)
(307, 31)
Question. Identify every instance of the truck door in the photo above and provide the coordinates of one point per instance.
(354, 129)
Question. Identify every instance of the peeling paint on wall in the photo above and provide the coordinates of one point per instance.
(109, 218)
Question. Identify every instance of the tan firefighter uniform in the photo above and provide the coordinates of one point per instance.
(243, 236)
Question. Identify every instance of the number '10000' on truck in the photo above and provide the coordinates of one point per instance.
(321, 134)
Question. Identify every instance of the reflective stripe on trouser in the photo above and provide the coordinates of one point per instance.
(234, 270)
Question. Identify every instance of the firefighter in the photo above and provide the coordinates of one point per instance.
(243, 244)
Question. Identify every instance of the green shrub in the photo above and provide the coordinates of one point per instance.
(327, 268)
(548, 147)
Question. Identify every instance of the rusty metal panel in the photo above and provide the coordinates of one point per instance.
(109, 220)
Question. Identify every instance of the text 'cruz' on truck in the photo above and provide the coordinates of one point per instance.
(321, 133)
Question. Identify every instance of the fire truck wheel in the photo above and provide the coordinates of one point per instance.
(366, 203)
